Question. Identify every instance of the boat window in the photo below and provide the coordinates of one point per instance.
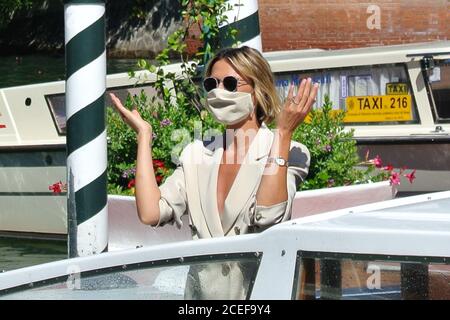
(361, 277)
(370, 95)
(57, 107)
(439, 78)
(194, 278)
(56, 102)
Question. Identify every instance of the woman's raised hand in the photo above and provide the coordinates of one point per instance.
(296, 108)
(132, 118)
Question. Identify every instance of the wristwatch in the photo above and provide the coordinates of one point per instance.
(278, 160)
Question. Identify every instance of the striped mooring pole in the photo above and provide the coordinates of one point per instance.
(244, 18)
(86, 134)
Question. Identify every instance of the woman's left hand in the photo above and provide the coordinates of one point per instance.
(297, 108)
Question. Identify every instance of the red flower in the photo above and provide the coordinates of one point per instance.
(131, 184)
(158, 163)
(394, 178)
(56, 187)
(160, 170)
(389, 167)
(411, 176)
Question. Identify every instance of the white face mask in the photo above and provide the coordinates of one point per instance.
(229, 107)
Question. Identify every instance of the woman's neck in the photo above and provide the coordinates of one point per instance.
(240, 136)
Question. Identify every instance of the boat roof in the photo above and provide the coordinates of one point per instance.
(410, 226)
(317, 59)
(413, 229)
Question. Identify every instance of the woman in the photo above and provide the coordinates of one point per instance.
(242, 183)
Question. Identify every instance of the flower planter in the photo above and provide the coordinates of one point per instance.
(126, 231)
(328, 199)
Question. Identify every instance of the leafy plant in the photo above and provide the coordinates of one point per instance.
(176, 112)
(9, 7)
(208, 15)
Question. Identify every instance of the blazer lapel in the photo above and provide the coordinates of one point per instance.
(207, 172)
(248, 177)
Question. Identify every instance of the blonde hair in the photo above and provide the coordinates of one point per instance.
(252, 66)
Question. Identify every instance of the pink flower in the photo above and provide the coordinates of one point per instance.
(165, 122)
(377, 162)
(394, 178)
(389, 167)
(411, 176)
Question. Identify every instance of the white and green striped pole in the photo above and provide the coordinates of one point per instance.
(244, 18)
(86, 134)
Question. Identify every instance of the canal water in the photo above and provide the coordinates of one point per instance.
(31, 69)
(19, 253)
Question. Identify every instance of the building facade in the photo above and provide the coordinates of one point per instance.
(333, 24)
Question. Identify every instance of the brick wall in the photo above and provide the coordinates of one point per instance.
(332, 24)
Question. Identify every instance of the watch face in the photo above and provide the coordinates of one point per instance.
(280, 161)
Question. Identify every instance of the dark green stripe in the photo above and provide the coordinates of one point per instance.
(247, 28)
(83, 1)
(91, 199)
(85, 47)
(86, 124)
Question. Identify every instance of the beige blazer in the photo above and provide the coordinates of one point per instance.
(192, 189)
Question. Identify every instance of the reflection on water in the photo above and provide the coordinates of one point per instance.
(30, 69)
(19, 253)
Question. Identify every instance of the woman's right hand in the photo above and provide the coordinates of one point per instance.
(132, 118)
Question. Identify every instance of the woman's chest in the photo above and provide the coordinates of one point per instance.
(226, 176)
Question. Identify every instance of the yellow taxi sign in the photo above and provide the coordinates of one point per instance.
(396, 88)
(378, 108)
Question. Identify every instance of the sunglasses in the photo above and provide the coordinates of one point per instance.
(230, 83)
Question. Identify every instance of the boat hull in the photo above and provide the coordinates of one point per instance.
(28, 206)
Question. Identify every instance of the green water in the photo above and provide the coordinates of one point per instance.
(19, 253)
(30, 69)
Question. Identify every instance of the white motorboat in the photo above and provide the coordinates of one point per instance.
(396, 249)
